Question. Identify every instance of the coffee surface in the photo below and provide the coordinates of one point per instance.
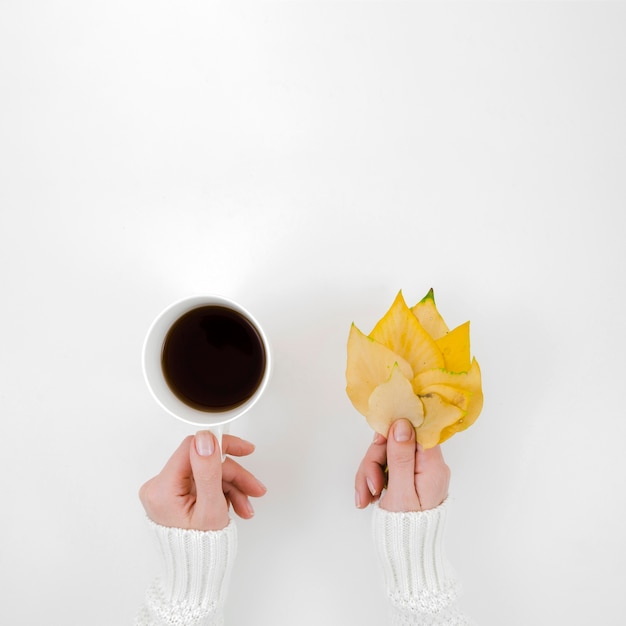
(213, 358)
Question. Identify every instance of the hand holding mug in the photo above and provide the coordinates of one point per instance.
(194, 489)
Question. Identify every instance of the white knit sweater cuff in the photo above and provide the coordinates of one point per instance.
(410, 547)
(197, 568)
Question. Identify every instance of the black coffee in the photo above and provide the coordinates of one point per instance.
(213, 358)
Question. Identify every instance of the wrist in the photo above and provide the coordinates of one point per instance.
(410, 547)
(196, 565)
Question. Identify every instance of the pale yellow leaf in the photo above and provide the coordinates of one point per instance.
(438, 415)
(369, 364)
(392, 400)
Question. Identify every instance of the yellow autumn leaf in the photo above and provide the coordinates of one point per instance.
(455, 347)
(401, 332)
(470, 381)
(438, 415)
(452, 395)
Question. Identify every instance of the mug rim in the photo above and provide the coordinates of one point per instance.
(153, 372)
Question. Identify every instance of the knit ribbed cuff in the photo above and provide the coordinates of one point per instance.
(197, 567)
(410, 548)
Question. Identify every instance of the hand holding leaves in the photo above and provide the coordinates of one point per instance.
(412, 366)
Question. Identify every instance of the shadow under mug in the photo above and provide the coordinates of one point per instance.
(215, 419)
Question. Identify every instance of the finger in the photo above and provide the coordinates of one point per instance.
(401, 493)
(370, 477)
(240, 502)
(160, 494)
(236, 446)
(239, 477)
(178, 466)
(428, 459)
(210, 508)
(432, 477)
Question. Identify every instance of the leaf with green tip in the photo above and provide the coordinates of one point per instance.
(429, 317)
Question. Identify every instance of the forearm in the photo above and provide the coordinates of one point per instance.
(196, 573)
(420, 584)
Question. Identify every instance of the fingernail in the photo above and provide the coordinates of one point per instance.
(378, 438)
(402, 431)
(204, 443)
(370, 486)
(250, 509)
(357, 499)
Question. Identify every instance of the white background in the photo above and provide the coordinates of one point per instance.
(310, 160)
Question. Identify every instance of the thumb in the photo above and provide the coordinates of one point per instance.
(401, 494)
(210, 509)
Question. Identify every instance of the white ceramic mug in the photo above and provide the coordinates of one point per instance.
(213, 419)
